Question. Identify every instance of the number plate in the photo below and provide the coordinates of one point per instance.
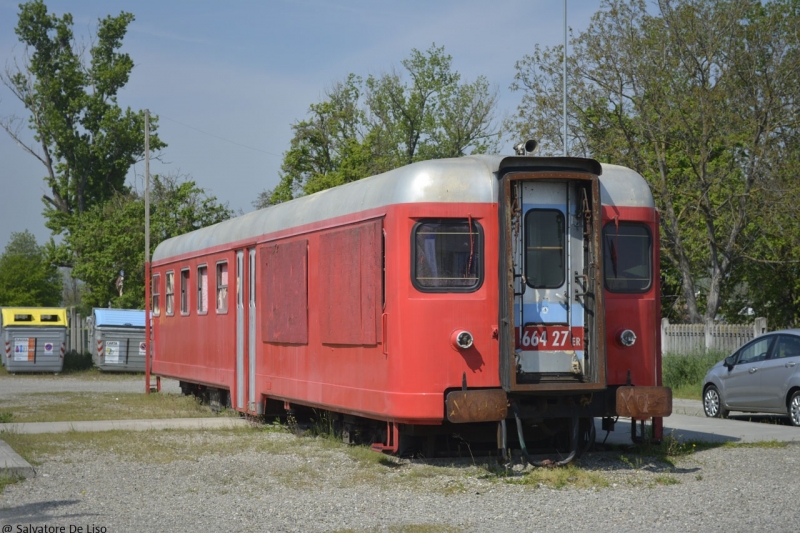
(550, 338)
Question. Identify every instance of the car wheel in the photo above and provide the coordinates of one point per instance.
(794, 409)
(712, 403)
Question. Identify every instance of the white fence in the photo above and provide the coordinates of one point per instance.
(689, 338)
(77, 332)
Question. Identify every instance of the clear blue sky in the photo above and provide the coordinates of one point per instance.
(246, 70)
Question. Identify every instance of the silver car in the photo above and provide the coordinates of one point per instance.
(762, 376)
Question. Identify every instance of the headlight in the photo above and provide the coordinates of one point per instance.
(461, 340)
(627, 338)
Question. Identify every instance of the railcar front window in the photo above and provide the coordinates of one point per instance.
(448, 255)
(627, 257)
(544, 248)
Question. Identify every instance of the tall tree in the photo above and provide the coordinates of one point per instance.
(26, 277)
(366, 127)
(110, 239)
(86, 142)
(695, 95)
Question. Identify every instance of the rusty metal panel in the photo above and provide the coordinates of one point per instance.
(488, 405)
(644, 402)
(284, 292)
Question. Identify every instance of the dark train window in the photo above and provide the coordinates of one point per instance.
(544, 248)
(447, 256)
(185, 291)
(627, 257)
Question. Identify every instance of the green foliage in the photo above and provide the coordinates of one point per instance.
(699, 98)
(77, 362)
(365, 127)
(110, 238)
(684, 373)
(27, 278)
(87, 142)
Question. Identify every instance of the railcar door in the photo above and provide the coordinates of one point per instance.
(240, 333)
(552, 237)
(245, 330)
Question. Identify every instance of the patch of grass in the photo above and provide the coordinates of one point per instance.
(766, 444)
(558, 478)
(6, 417)
(664, 479)
(148, 447)
(8, 480)
(84, 406)
(684, 373)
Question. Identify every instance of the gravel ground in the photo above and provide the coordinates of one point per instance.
(325, 489)
(11, 386)
(279, 482)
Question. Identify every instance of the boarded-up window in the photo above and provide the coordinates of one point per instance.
(285, 292)
(350, 262)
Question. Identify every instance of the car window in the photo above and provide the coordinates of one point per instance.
(755, 351)
(788, 346)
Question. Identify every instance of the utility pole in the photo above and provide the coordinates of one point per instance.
(566, 153)
(147, 251)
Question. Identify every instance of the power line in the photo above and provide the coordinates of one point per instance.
(217, 136)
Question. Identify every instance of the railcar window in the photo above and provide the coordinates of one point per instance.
(544, 248)
(202, 289)
(222, 287)
(170, 293)
(627, 257)
(185, 291)
(156, 295)
(448, 255)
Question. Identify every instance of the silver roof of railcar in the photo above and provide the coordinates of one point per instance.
(468, 179)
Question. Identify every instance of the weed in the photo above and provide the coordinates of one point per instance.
(5, 417)
(8, 480)
(324, 425)
(699, 477)
(666, 480)
(559, 478)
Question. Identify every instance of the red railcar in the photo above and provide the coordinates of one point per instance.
(446, 294)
